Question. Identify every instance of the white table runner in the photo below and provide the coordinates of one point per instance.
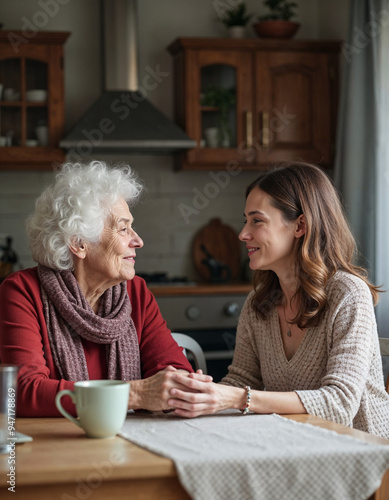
(264, 457)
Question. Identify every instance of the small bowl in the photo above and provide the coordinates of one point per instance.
(11, 95)
(31, 143)
(36, 95)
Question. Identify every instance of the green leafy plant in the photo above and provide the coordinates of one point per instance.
(220, 97)
(237, 16)
(279, 9)
(224, 100)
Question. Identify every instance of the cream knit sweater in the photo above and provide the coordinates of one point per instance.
(337, 369)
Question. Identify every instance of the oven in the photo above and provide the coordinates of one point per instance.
(207, 313)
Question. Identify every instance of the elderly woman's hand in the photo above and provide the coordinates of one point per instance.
(154, 392)
(199, 397)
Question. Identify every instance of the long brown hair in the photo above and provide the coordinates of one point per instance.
(326, 247)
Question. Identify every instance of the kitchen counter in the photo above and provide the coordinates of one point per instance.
(201, 289)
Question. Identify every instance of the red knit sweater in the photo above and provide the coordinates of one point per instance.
(24, 342)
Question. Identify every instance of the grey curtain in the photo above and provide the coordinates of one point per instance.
(356, 159)
(362, 161)
(382, 201)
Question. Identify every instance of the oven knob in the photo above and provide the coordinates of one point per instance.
(231, 309)
(192, 313)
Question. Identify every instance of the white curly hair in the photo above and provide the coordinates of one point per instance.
(75, 208)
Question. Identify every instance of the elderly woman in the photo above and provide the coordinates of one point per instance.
(307, 333)
(82, 313)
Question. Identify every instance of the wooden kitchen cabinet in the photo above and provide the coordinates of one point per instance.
(286, 97)
(30, 64)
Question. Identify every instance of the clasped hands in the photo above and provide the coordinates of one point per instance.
(188, 394)
(183, 394)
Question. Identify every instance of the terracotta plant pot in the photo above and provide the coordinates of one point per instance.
(276, 28)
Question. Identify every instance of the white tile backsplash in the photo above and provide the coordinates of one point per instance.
(15, 204)
(12, 183)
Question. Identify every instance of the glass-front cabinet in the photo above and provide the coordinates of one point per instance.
(31, 100)
(248, 103)
(215, 105)
(218, 105)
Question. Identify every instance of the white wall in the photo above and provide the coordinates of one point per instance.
(333, 18)
(166, 234)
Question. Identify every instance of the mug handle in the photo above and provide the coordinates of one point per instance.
(61, 409)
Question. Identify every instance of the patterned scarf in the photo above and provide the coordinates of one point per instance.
(69, 317)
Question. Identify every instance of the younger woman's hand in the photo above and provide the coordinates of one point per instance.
(153, 393)
(201, 397)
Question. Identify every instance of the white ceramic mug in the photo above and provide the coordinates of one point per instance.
(101, 406)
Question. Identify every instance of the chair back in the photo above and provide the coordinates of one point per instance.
(384, 346)
(194, 348)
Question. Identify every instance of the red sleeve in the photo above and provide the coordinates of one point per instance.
(24, 342)
(158, 349)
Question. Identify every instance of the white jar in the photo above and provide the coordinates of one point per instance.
(42, 134)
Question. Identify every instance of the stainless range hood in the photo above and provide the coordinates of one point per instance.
(122, 120)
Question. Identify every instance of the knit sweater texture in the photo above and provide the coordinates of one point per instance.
(337, 369)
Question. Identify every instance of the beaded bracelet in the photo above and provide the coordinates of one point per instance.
(246, 407)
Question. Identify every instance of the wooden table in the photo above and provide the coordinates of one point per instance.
(61, 463)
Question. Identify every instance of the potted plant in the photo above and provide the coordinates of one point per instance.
(236, 20)
(277, 24)
(222, 99)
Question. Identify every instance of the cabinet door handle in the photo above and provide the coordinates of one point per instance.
(265, 130)
(249, 129)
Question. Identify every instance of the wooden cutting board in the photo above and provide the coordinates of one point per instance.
(222, 243)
